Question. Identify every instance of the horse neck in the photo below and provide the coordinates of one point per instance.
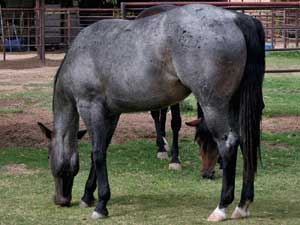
(65, 121)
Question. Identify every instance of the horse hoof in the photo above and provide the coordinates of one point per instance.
(95, 216)
(82, 204)
(240, 213)
(217, 215)
(175, 166)
(221, 173)
(166, 144)
(162, 155)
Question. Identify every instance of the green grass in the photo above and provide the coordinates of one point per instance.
(281, 95)
(39, 95)
(144, 191)
(9, 110)
(283, 60)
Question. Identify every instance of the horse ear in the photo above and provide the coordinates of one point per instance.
(81, 133)
(46, 131)
(194, 123)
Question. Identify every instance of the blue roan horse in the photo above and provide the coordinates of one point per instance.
(118, 66)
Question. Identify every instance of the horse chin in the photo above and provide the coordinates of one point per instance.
(210, 175)
(63, 188)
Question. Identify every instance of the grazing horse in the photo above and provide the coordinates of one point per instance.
(208, 148)
(113, 67)
(159, 116)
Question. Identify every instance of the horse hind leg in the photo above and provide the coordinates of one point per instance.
(162, 153)
(225, 132)
(175, 125)
(101, 128)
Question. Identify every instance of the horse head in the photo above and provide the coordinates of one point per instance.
(208, 149)
(63, 167)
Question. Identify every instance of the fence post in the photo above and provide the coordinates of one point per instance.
(297, 27)
(3, 35)
(42, 32)
(69, 27)
(123, 10)
(272, 28)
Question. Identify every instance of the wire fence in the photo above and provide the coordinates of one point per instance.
(50, 27)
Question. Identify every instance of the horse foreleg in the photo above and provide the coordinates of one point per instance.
(175, 125)
(162, 120)
(101, 128)
(88, 198)
(161, 152)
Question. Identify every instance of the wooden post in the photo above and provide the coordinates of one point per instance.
(42, 31)
(69, 27)
(297, 27)
(2, 31)
(272, 28)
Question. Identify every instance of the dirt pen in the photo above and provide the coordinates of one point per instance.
(23, 77)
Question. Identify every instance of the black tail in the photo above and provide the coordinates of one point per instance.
(251, 97)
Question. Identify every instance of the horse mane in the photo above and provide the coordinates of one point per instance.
(155, 10)
(55, 80)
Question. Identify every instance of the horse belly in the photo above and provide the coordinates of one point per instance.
(144, 97)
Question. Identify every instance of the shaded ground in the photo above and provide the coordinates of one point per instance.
(18, 126)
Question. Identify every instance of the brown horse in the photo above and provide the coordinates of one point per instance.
(208, 149)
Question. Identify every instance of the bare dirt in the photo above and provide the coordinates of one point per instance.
(19, 169)
(20, 129)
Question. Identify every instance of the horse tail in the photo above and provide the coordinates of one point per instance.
(251, 102)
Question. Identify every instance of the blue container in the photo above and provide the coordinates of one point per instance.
(12, 45)
(268, 46)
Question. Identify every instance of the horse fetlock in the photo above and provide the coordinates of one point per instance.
(240, 213)
(219, 214)
(87, 202)
(166, 144)
(96, 215)
(175, 166)
(162, 155)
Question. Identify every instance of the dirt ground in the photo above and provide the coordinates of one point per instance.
(20, 129)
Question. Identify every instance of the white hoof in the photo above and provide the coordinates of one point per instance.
(221, 172)
(166, 144)
(217, 215)
(82, 204)
(95, 216)
(162, 155)
(175, 166)
(240, 213)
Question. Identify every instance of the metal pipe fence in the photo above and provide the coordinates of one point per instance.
(46, 28)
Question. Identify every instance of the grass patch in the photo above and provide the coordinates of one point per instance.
(281, 95)
(39, 95)
(283, 60)
(144, 191)
(10, 110)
